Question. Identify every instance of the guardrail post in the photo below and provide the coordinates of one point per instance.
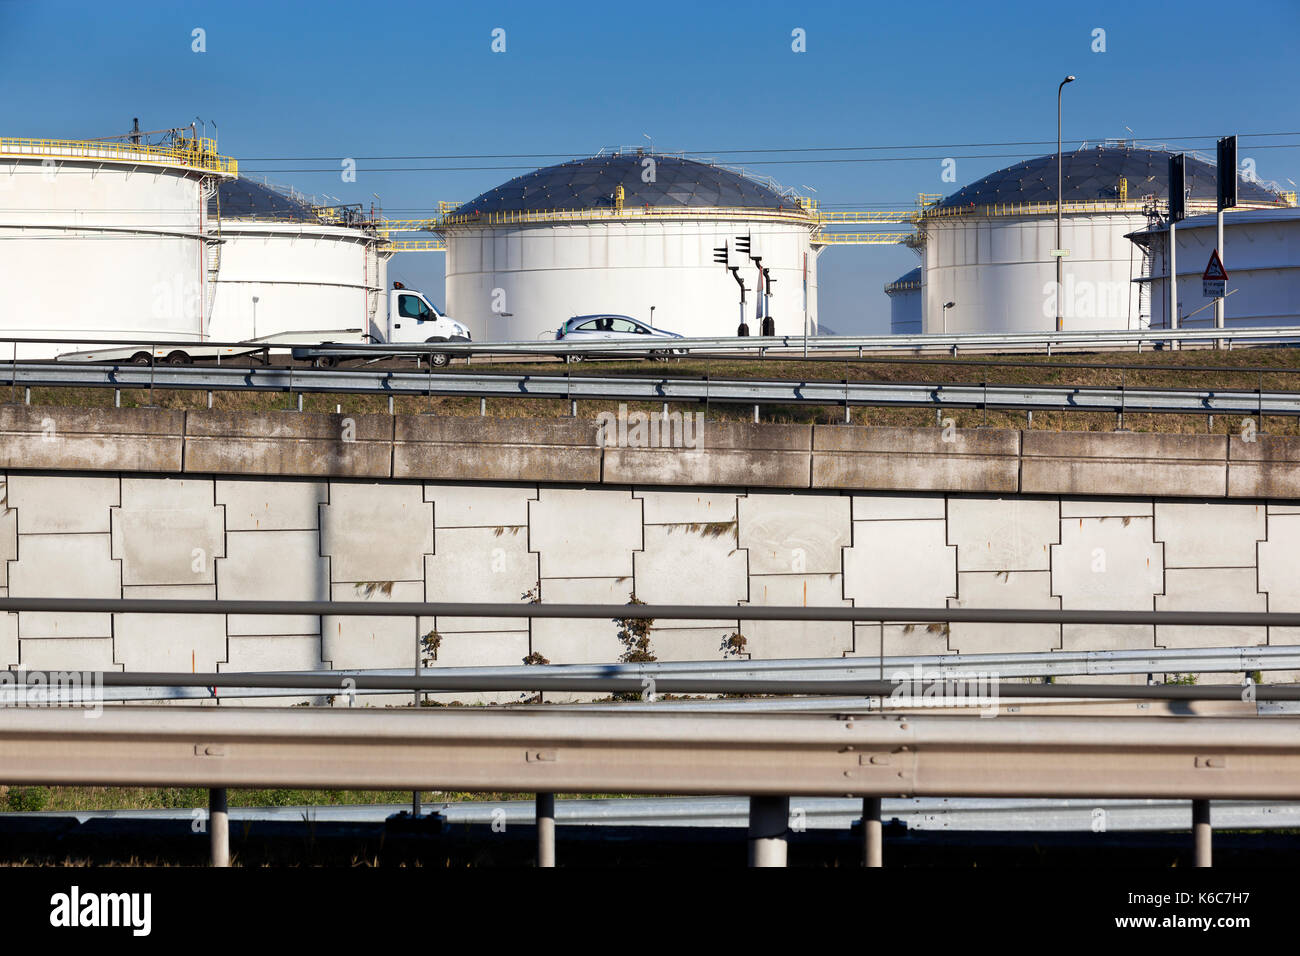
(872, 836)
(1202, 832)
(769, 822)
(545, 814)
(219, 826)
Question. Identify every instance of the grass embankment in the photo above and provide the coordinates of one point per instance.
(1276, 369)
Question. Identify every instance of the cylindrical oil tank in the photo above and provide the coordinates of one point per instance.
(1261, 254)
(988, 248)
(104, 240)
(565, 241)
(316, 273)
(905, 303)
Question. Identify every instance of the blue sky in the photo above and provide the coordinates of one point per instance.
(327, 80)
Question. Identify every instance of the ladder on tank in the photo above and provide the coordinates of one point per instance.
(211, 253)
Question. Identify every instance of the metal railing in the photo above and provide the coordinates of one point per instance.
(201, 155)
(572, 388)
(1037, 664)
(1075, 206)
(861, 238)
(793, 212)
(952, 342)
(768, 756)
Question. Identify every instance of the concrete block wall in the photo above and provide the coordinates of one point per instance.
(137, 535)
(205, 504)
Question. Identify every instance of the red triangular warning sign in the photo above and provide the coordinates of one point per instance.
(1215, 269)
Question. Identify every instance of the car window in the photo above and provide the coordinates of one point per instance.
(410, 307)
(589, 326)
(624, 325)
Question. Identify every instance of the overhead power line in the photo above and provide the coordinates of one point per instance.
(752, 149)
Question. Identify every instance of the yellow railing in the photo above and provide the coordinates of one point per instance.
(195, 153)
(629, 212)
(406, 225)
(416, 245)
(860, 238)
(1081, 206)
(870, 215)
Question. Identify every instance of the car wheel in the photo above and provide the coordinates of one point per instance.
(439, 359)
(572, 358)
(141, 358)
(327, 361)
(178, 358)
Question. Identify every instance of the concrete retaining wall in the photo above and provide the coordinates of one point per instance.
(202, 505)
(570, 450)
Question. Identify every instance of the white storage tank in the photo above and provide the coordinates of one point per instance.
(988, 247)
(105, 239)
(314, 271)
(1261, 256)
(629, 233)
(905, 303)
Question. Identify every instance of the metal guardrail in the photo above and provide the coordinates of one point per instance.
(674, 612)
(949, 342)
(660, 389)
(770, 756)
(430, 681)
(1201, 660)
(933, 341)
(477, 749)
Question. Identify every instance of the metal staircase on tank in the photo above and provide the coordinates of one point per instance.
(211, 251)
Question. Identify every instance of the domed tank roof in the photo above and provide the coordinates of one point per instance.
(907, 282)
(589, 184)
(1094, 173)
(244, 199)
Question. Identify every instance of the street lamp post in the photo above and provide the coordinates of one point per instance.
(1058, 252)
(946, 307)
(254, 317)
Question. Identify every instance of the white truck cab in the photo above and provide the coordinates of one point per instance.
(413, 318)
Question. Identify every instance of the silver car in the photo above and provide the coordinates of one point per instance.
(606, 327)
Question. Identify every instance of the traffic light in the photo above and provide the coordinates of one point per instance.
(1177, 188)
(742, 245)
(1227, 172)
(720, 255)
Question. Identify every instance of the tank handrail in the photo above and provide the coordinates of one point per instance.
(195, 154)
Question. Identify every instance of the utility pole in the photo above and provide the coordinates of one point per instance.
(1058, 252)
